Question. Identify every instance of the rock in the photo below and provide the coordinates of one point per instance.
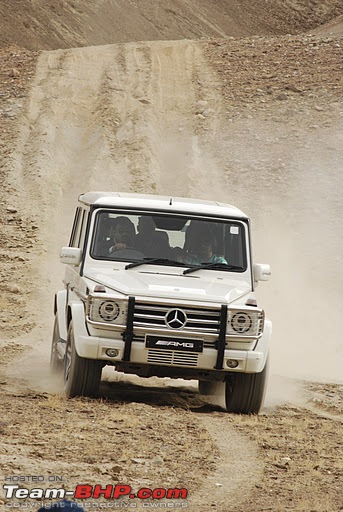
(116, 469)
(281, 466)
(158, 461)
(138, 460)
(9, 114)
(14, 73)
(91, 460)
(11, 210)
(282, 97)
(201, 104)
(208, 112)
(292, 88)
(286, 460)
(13, 288)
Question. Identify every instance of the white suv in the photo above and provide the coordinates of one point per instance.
(161, 286)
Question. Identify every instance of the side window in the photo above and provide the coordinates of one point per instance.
(79, 227)
(75, 227)
(83, 228)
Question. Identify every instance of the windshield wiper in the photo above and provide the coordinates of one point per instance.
(217, 265)
(158, 261)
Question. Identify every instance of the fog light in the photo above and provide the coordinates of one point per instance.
(112, 352)
(232, 363)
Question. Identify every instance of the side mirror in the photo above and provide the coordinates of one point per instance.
(261, 271)
(71, 255)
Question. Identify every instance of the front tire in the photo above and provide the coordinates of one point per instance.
(81, 376)
(56, 362)
(244, 392)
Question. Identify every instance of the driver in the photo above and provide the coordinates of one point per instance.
(122, 234)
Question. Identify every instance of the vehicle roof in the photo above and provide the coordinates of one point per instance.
(156, 202)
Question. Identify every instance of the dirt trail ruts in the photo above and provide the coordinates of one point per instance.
(131, 127)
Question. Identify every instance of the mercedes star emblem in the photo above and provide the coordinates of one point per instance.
(176, 319)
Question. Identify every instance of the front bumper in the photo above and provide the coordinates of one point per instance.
(92, 347)
(132, 350)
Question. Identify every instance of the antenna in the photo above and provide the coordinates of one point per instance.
(171, 201)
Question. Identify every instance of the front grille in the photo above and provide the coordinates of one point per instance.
(202, 320)
(172, 357)
(210, 344)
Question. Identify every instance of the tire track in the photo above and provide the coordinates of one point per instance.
(239, 467)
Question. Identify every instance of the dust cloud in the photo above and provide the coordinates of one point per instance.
(291, 187)
(288, 181)
(305, 248)
(31, 369)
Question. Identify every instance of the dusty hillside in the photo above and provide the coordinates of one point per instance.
(41, 24)
(254, 120)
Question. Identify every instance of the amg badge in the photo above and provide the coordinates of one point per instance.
(188, 345)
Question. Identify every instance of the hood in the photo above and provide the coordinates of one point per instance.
(202, 285)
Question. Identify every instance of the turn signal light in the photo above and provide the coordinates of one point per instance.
(99, 288)
(251, 302)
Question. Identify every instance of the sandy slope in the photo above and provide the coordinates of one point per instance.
(251, 121)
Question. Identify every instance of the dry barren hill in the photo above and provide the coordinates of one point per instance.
(40, 24)
(239, 101)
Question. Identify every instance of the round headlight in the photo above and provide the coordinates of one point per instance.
(109, 310)
(241, 322)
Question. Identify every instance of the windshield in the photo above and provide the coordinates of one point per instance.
(166, 239)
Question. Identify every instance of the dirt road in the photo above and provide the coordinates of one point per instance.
(255, 121)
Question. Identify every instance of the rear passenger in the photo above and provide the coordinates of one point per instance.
(154, 244)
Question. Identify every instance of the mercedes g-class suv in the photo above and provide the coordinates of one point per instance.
(161, 286)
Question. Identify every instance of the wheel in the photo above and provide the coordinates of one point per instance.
(81, 376)
(207, 387)
(56, 362)
(244, 392)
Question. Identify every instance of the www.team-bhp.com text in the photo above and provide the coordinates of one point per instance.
(83, 492)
